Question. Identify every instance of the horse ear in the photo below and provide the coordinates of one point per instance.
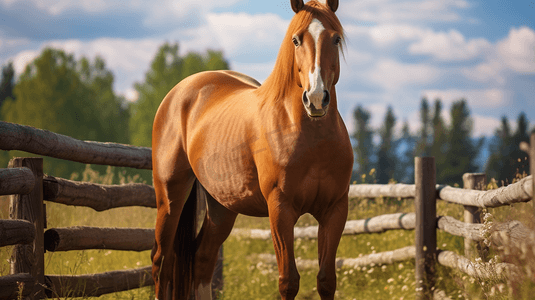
(297, 5)
(333, 4)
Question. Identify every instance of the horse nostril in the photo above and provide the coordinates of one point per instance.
(326, 99)
(306, 102)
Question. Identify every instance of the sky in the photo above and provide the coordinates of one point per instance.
(397, 51)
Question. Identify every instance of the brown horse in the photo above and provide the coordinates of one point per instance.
(276, 150)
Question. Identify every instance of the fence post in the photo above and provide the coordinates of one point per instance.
(472, 214)
(426, 224)
(30, 258)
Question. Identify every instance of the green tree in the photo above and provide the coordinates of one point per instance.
(462, 152)
(7, 83)
(500, 151)
(113, 112)
(506, 159)
(386, 156)
(166, 70)
(520, 161)
(57, 93)
(363, 138)
(439, 145)
(405, 165)
(424, 136)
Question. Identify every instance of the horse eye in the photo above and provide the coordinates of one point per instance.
(337, 40)
(295, 41)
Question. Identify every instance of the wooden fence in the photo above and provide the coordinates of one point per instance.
(25, 229)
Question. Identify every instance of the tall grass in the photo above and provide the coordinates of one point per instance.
(246, 276)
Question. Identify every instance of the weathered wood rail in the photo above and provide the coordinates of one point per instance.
(24, 178)
(99, 197)
(47, 143)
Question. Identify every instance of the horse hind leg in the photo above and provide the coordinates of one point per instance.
(216, 227)
(171, 197)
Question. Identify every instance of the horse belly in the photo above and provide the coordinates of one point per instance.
(230, 176)
(238, 193)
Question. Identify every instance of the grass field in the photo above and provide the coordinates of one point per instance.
(247, 277)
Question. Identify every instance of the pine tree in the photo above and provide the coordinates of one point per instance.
(423, 143)
(7, 82)
(386, 156)
(439, 146)
(520, 159)
(506, 159)
(405, 165)
(363, 138)
(500, 148)
(462, 152)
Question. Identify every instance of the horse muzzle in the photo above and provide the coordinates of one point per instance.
(316, 104)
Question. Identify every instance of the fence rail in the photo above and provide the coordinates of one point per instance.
(99, 197)
(16, 181)
(46, 143)
(10, 285)
(84, 238)
(13, 232)
(94, 285)
(521, 191)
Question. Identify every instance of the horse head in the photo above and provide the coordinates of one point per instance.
(316, 35)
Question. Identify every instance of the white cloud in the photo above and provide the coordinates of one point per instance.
(485, 98)
(513, 54)
(9, 43)
(240, 33)
(393, 75)
(22, 59)
(490, 71)
(259, 71)
(158, 13)
(517, 51)
(57, 7)
(169, 11)
(129, 59)
(388, 34)
(450, 46)
(484, 125)
(403, 11)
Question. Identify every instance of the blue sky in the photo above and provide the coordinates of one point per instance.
(398, 51)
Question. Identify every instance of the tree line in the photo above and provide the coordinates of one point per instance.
(76, 98)
(391, 159)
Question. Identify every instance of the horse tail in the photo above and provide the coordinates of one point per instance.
(186, 246)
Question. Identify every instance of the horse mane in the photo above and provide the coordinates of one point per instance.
(284, 74)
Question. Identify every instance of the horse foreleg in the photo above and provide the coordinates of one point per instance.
(331, 226)
(216, 227)
(282, 219)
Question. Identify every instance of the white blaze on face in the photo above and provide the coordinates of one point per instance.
(315, 93)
